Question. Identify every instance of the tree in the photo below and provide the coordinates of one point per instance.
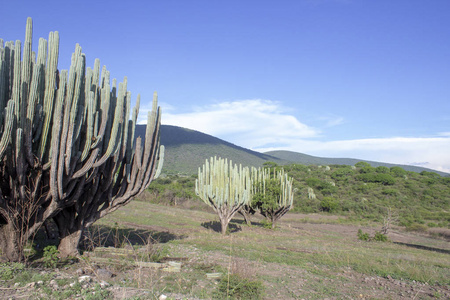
(66, 147)
(272, 193)
(225, 187)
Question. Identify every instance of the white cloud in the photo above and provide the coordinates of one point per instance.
(429, 152)
(264, 125)
(257, 121)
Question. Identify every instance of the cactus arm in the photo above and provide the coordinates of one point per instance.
(89, 126)
(115, 134)
(6, 136)
(74, 110)
(56, 138)
(15, 95)
(50, 81)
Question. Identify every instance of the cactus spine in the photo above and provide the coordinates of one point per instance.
(66, 143)
(223, 186)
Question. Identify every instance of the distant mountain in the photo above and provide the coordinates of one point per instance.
(187, 149)
(305, 159)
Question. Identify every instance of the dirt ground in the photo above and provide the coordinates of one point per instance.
(295, 282)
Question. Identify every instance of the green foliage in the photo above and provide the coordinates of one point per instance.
(382, 178)
(238, 287)
(270, 164)
(390, 192)
(342, 173)
(267, 200)
(329, 204)
(266, 224)
(9, 270)
(412, 196)
(362, 164)
(326, 187)
(172, 190)
(382, 169)
(363, 236)
(417, 227)
(398, 171)
(50, 256)
(272, 193)
(379, 237)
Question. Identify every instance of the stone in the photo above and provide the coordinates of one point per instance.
(104, 274)
(84, 278)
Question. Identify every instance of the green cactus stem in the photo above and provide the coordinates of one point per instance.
(225, 187)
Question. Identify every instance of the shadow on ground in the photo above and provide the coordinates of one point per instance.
(107, 236)
(424, 247)
(215, 225)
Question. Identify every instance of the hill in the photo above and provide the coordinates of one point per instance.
(305, 159)
(187, 149)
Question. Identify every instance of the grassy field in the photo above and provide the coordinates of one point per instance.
(307, 257)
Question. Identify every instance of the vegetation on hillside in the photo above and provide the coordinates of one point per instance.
(361, 192)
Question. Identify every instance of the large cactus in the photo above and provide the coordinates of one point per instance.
(272, 193)
(223, 186)
(66, 146)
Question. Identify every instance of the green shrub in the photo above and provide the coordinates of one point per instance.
(363, 236)
(329, 204)
(390, 192)
(432, 224)
(417, 227)
(237, 287)
(50, 256)
(398, 171)
(382, 169)
(9, 270)
(266, 224)
(379, 237)
(385, 179)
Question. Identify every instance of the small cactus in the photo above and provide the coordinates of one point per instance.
(223, 186)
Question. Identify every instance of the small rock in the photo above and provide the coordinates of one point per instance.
(40, 282)
(72, 284)
(16, 284)
(104, 274)
(162, 297)
(84, 278)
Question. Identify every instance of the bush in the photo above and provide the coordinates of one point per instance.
(266, 224)
(237, 287)
(382, 169)
(363, 236)
(329, 204)
(398, 171)
(417, 227)
(382, 178)
(50, 256)
(9, 270)
(379, 237)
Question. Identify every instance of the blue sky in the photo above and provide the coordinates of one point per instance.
(335, 78)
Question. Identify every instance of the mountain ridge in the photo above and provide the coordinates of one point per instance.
(187, 150)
